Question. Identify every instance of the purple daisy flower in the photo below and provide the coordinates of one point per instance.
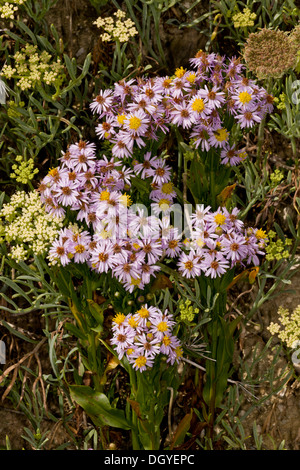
(189, 265)
(160, 171)
(102, 258)
(214, 98)
(234, 247)
(124, 270)
(67, 192)
(123, 339)
(161, 324)
(214, 265)
(248, 118)
(139, 361)
(102, 103)
(182, 115)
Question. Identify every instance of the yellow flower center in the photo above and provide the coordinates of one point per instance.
(135, 282)
(119, 318)
(140, 361)
(220, 219)
(133, 322)
(125, 200)
(221, 135)
(164, 204)
(104, 195)
(191, 77)
(104, 234)
(134, 123)
(173, 244)
(103, 257)
(200, 242)
(243, 155)
(167, 82)
(79, 248)
(178, 351)
(189, 265)
(166, 340)
(53, 172)
(245, 97)
(162, 326)
(198, 105)
(143, 312)
(121, 118)
(260, 234)
(179, 72)
(136, 246)
(167, 188)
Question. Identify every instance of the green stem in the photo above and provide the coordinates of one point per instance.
(260, 140)
(156, 17)
(94, 368)
(212, 183)
(261, 129)
(213, 380)
(119, 57)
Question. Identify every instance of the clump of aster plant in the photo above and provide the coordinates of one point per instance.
(196, 101)
(269, 53)
(144, 335)
(129, 243)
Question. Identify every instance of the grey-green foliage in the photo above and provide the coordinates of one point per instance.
(286, 121)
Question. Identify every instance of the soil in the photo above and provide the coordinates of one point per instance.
(278, 418)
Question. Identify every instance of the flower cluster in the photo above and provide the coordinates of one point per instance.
(218, 242)
(280, 101)
(32, 67)
(187, 311)
(24, 170)
(142, 336)
(270, 53)
(288, 328)
(125, 240)
(245, 19)
(25, 225)
(276, 177)
(196, 101)
(12, 108)
(117, 28)
(9, 8)
(277, 249)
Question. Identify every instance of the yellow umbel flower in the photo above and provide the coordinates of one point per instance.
(23, 170)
